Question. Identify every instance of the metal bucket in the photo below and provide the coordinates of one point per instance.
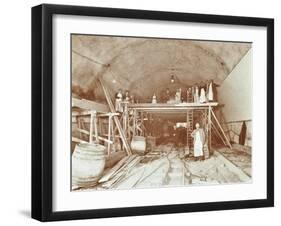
(88, 161)
(138, 144)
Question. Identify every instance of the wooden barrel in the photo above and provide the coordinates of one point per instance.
(138, 144)
(88, 161)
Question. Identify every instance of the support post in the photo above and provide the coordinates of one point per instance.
(96, 126)
(91, 127)
(109, 135)
(134, 122)
(125, 120)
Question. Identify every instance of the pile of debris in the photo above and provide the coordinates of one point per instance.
(131, 172)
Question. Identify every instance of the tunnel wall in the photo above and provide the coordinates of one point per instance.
(235, 94)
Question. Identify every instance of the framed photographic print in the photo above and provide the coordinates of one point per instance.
(145, 112)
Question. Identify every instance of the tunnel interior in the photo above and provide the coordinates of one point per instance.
(135, 105)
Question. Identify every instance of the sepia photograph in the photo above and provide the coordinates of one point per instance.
(140, 112)
(152, 112)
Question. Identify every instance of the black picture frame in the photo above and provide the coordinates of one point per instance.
(42, 107)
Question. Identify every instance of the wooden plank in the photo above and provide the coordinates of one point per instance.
(91, 128)
(103, 139)
(87, 133)
(132, 179)
(163, 110)
(109, 135)
(123, 173)
(79, 126)
(81, 113)
(107, 114)
(88, 112)
(96, 127)
(163, 105)
(115, 175)
(89, 105)
(77, 140)
(113, 170)
(170, 108)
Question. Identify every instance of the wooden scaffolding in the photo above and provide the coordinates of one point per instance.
(133, 119)
(131, 122)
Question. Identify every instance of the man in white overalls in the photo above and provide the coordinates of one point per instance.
(199, 139)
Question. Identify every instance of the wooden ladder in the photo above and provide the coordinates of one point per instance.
(189, 99)
(190, 128)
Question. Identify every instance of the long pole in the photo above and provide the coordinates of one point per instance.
(109, 135)
(225, 137)
(209, 127)
(91, 127)
(218, 134)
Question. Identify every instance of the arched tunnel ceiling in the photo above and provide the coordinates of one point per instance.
(144, 66)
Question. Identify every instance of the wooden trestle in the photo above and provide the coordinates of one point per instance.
(133, 119)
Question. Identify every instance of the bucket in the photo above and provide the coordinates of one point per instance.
(138, 144)
(88, 161)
